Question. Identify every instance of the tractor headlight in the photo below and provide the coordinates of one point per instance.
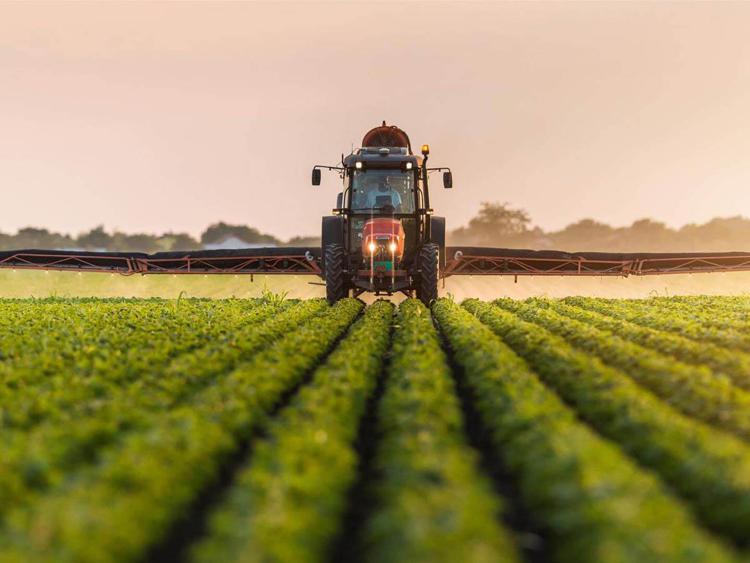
(392, 247)
(372, 247)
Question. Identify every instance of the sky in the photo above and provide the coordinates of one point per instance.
(154, 117)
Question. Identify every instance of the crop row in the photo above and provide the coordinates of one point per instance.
(40, 459)
(731, 315)
(694, 390)
(52, 386)
(288, 503)
(733, 364)
(433, 504)
(734, 306)
(120, 508)
(57, 334)
(642, 314)
(68, 360)
(709, 469)
(585, 495)
(429, 500)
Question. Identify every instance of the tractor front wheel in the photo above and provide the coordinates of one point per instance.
(336, 287)
(427, 278)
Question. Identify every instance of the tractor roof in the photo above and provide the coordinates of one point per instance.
(382, 157)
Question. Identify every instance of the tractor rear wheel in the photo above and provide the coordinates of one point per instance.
(427, 279)
(336, 287)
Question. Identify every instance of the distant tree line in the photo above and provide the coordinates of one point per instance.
(496, 224)
(100, 239)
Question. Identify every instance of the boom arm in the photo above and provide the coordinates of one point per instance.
(505, 261)
(460, 261)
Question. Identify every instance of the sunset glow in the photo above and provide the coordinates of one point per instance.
(151, 117)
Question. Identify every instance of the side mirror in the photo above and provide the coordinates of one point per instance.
(316, 177)
(340, 200)
(447, 180)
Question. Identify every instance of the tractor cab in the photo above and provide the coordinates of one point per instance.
(382, 232)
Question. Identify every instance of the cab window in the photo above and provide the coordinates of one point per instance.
(383, 191)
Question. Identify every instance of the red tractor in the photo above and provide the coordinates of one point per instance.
(382, 236)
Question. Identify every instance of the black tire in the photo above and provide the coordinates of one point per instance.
(437, 235)
(427, 278)
(336, 286)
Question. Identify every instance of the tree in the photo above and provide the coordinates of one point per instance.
(7, 241)
(647, 234)
(31, 237)
(134, 243)
(586, 234)
(96, 238)
(720, 234)
(220, 231)
(178, 241)
(495, 224)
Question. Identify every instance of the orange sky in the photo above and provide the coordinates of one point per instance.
(154, 117)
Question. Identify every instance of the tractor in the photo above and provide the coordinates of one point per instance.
(382, 236)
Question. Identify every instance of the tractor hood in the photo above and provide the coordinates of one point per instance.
(383, 236)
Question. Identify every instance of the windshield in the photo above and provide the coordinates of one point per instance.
(389, 191)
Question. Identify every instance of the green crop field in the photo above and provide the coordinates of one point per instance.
(281, 430)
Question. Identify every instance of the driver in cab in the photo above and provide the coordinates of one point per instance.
(380, 193)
